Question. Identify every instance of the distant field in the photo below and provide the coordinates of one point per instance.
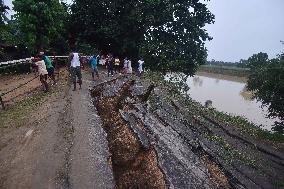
(226, 70)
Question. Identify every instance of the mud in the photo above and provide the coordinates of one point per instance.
(10, 82)
(134, 166)
(156, 141)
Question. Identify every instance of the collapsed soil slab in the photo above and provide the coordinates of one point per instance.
(157, 142)
(133, 165)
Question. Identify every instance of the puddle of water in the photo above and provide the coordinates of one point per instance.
(228, 96)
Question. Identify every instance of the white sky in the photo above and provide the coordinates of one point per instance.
(245, 27)
(242, 28)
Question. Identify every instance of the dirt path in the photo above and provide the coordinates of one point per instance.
(90, 149)
(63, 147)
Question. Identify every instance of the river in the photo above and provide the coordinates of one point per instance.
(228, 94)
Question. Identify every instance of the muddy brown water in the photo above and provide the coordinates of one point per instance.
(229, 94)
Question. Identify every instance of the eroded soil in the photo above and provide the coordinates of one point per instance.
(157, 141)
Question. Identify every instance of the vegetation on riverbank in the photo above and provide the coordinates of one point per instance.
(178, 91)
(225, 70)
(266, 80)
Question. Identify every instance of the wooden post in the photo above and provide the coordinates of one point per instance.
(2, 103)
(58, 73)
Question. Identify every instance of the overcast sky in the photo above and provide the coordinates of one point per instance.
(245, 27)
(242, 28)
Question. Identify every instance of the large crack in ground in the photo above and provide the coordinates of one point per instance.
(156, 142)
(133, 165)
(134, 156)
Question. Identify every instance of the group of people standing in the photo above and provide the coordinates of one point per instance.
(113, 65)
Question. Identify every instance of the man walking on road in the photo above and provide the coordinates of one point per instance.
(110, 64)
(94, 65)
(75, 69)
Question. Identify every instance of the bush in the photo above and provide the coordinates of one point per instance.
(17, 68)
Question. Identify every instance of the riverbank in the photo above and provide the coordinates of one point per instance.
(220, 116)
(241, 79)
(159, 138)
(229, 94)
(225, 70)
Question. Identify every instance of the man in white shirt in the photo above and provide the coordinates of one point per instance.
(140, 66)
(75, 69)
(129, 71)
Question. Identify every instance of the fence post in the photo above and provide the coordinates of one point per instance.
(2, 103)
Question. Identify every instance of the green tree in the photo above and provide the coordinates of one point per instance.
(3, 11)
(39, 21)
(169, 34)
(3, 28)
(267, 83)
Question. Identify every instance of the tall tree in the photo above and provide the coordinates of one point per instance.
(39, 21)
(169, 34)
(3, 11)
(267, 83)
(3, 28)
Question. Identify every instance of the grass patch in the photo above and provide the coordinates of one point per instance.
(17, 114)
(226, 70)
(278, 184)
(231, 152)
(244, 125)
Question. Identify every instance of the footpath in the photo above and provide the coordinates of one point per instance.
(62, 146)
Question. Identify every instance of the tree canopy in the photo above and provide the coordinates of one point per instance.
(267, 83)
(3, 11)
(169, 34)
(39, 21)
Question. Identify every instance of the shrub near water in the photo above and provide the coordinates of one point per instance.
(267, 83)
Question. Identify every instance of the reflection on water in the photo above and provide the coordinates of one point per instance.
(229, 96)
(247, 95)
(217, 81)
(197, 81)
